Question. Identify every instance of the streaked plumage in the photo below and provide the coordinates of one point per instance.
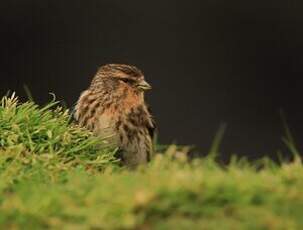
(114, 106)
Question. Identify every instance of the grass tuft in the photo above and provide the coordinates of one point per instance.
(30, 133)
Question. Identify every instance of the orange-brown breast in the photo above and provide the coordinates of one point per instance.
(129, 100)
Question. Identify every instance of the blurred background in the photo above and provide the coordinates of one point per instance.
(210, 62)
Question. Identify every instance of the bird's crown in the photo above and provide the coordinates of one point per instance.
(120, 70)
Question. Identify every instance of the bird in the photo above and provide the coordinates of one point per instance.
(114, 107)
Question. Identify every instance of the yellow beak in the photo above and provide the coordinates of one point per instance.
(143, 85)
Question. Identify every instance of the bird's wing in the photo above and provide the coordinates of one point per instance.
(152, 127)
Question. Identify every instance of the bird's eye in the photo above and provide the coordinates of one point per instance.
(127, 80)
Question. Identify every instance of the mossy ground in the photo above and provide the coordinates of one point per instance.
(56, 175)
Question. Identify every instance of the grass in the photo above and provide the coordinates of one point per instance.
(56, 175)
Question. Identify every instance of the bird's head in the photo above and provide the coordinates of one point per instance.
(121, 76)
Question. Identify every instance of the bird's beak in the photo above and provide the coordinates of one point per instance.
(143, 85)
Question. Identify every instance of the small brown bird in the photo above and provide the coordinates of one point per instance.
(114, 107)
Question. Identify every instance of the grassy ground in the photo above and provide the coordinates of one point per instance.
(56, 175)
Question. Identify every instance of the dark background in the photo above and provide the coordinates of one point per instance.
(237, 62)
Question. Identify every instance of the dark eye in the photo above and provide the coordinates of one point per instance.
(127, 80)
